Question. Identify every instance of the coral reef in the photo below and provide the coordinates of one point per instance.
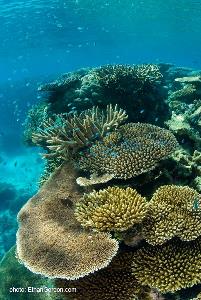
(136, 148)
(36, 117)
(51, 242)
(113, 282)
(174, 211)
(138, 88)
(168, 267)
(186, 124)
(112, 242)
(111, 209)
(70, 132)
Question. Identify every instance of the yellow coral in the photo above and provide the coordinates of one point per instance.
(173, 211)
(169, 267)
(111, 209)
(134, 149)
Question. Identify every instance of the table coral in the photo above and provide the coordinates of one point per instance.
(169, 267)
(136, 148)
(173, 211)
(115, 282)
(111, 209)
(51, 242)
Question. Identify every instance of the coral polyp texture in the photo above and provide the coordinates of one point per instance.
(51, 242)
(69, 132)
(111, 209)
(136, 148)
(115, 282)
(107, 284)
(169, 267)
(173, 211)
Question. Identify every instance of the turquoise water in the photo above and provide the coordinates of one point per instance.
(41, 39)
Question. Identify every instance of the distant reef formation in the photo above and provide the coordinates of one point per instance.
(118, 213)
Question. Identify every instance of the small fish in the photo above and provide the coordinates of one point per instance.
(15, 164)
(196, 204)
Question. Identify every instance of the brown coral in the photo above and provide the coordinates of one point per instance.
(135, 149)
(51, 242)
(173, 211)
(111, 209)
(70, 132)
(169, 267)
(115, 282)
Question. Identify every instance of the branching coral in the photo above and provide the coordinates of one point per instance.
(67, 80)
(173, 211)
(36, 116)
(111, 209)
(169, 267)
(69, 132)
(116, 75)
(51, 242)
(134, 149)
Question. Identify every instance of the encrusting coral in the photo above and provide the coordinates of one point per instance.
(51, 242)
(70, 132)
(134, 149)
(111, 209)
(168, 267)
(174, 211)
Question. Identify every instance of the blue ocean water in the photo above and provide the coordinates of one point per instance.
(41, 39)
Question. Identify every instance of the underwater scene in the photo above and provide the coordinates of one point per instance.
(100, 150)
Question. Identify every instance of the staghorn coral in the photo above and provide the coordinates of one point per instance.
(51, 242)
(111, 209)
(115, 75)
(134, 149)
(115, 282)
(173, 211)
(168, 267)
(68, 133)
